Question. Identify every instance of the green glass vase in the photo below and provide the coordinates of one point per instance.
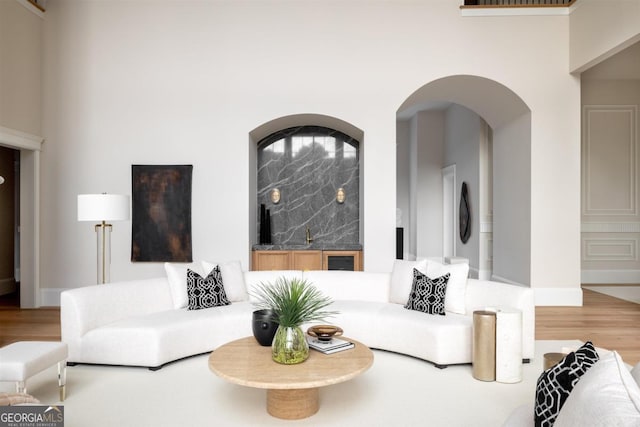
(289, 345)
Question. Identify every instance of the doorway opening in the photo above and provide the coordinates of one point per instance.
(484, 129)
(9, 227)
(26, 148)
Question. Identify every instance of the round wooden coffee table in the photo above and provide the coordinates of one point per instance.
(292, 390)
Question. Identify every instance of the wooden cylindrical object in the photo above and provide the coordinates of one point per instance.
(293, 404)
(484, 345)
(552, 359)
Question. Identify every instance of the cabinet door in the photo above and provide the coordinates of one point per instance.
(270, 260)
(306, 260)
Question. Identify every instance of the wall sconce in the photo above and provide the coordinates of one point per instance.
(340, 195)
(275, 196)
(1, 180)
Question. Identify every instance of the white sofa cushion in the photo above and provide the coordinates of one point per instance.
(232, 279)
(438, 339)
(177, 276)
(454, 301)
(606, 395)
(402, 279)
(350, 285)
(157, 338)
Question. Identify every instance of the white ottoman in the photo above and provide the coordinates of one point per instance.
(22, 360)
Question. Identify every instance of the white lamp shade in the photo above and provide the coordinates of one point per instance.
(103, 207)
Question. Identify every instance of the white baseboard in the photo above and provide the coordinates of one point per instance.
(567, 297)
(597, 277)
(571, 297)
(7, 286)
(496, 278)
(50, 297)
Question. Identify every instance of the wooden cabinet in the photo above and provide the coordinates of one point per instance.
(306, 260)
(270, 260)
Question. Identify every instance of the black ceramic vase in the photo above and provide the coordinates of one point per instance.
(264, 327)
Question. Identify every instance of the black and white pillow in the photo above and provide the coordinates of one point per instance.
(555, 384)
(205, 292)
(427, 295)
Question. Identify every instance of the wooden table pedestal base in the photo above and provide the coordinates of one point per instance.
(293, 404)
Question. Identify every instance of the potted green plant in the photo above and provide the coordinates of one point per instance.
(294, 302)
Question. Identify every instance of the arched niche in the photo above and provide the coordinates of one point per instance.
(504, 127)
(294, 120)
(286, 122)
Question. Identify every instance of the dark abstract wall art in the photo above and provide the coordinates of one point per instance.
(465, 214)
(161, 213)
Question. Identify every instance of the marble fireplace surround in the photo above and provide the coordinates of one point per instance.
(308, 164)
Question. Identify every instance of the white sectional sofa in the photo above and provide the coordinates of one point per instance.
(144, 322)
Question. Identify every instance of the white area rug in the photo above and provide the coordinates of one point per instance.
(627, 293)
(396, 391)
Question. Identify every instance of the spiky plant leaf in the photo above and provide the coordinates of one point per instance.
(294, 301)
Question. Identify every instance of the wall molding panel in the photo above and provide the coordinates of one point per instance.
(597, 139)
(610, 227)
(610, 249)
(595, 277)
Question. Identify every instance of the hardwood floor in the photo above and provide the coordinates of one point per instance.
(608, 322)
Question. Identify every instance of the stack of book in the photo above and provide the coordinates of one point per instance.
(327, 347)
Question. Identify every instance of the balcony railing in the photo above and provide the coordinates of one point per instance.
(518, 3)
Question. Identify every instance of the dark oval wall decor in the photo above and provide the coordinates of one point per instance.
(465, 214)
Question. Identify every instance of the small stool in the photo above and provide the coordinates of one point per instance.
(22, 360)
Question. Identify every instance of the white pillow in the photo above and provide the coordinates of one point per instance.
(402, 279)
(457, 286)
(232, 279)
(606, 395)
(177, 276)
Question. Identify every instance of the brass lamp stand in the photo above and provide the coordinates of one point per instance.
(103, 207)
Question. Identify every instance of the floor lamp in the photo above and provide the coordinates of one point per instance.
(103, 207)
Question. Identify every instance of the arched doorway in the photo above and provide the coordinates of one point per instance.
(483, 128)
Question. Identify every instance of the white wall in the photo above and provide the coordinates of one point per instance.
(20, 123)
(20, 68)
(611, 181)
(599, 29)
(462, 148)
(185, 82)
(402, 182)
(512, 226)
(430, 140)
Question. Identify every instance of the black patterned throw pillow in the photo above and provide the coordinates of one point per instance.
(555, 384)
(427, 295)
(205, 292)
